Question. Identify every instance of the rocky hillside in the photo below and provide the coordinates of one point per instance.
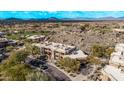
(85, 40)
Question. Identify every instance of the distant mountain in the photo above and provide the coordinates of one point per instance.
(63, 19)
(111, 18)
(121, 17)
(13, 19)
(52, 18)
(101, 18)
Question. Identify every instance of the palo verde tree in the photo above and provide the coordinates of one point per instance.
(71, 65)
(33, 50)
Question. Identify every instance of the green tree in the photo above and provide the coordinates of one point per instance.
(69, 64)
(9, 48)
(22, 72)
(97, 50)
(93, 60)
(101, 51)
(33, 50)
(18, 72)
(13, 69)
(20, 55)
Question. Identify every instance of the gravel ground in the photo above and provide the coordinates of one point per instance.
(85, 40)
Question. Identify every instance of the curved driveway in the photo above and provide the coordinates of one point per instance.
(57, 74)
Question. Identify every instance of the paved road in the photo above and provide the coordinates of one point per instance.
(57, 74)
(54, 73)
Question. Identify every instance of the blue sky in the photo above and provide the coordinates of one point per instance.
(59, 14)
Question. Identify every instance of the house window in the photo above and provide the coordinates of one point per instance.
(122, 70)
(122, 53)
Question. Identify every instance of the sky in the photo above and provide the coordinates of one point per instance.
(59, 14)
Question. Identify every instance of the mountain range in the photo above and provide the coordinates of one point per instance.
(62, 15)
(63, 19)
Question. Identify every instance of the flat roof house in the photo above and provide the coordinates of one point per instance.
(115, 69)
(55, 51)
(36, 38)
(117, 57)
(3, 42)
(118, 30)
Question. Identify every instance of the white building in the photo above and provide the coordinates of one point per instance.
(114, 73)
(57, 50)
(117, 57)
(115, 69)
(2, 33)
(118, 30)
(76, 54)
(36, 38)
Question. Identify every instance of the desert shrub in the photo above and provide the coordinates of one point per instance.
(9, 48)
(20, 55)
(101, 51)
(85, 27)
(37, 75)
(93, 60)
(13, 69)
(70, 64)
(97, 50)
(108, 51)
(33, 50)
(72, 75)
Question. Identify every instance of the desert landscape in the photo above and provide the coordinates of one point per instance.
(97, 39)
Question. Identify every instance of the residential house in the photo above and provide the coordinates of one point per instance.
(115, 69)
(54, 51)
(36, 38)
